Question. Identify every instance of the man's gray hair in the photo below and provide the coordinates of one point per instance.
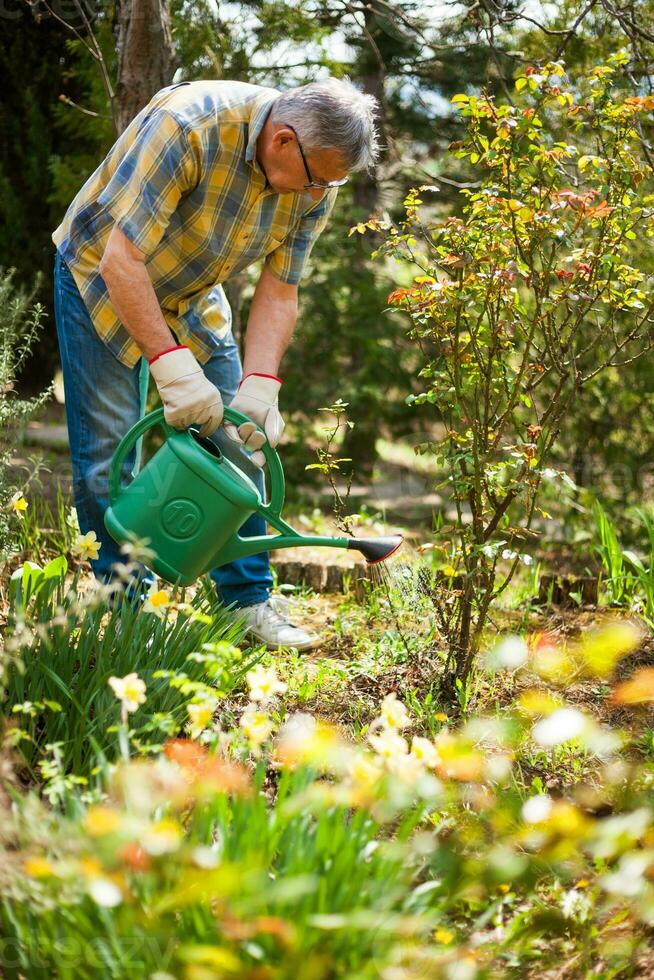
(332, 115)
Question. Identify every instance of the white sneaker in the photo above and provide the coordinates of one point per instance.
(268, 622)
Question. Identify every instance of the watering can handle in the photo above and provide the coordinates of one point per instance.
(277, 484)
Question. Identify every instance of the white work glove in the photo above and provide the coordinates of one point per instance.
(187, 395)
(257, 398)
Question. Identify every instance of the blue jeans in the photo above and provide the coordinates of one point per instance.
(104, 398)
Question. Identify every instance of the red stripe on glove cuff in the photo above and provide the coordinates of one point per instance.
(257, 374)
(167, 351)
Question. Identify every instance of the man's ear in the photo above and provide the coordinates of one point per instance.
(283, 136)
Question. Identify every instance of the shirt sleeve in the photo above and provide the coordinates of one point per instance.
(144, 190)
(288, 261)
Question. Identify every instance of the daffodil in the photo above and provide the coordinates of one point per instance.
(162, 837)
(87, 546)
(130, 691)
(264, 683)
(389, 744)
(157, 602)
(256, 725)
(407, 768)
(425, 751)
(394, 714)
(101, 820)
(200, 714)
(364, 775)
(38, 867)
(18, 504)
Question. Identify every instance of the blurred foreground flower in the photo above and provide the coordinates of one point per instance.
(305, 740)
(264, 683)
(200, 715)
(18, 504)
(130, 691)
(562, 725)
(256, 725)
(394, 714)
(639, 689)
(87, 546)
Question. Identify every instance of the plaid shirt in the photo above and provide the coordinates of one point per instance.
(183, 184)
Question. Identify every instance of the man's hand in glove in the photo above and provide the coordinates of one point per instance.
(187, 395)
(257, 398)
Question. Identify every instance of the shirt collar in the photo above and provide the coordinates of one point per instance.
(261, 107)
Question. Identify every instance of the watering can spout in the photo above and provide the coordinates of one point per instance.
(375, 550)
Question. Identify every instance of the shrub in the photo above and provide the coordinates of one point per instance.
(538, 287)
(20, 324)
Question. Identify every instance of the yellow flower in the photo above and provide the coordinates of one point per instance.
(90, 867)
(443, 936)
(162, 837)
(157, 601)
(425, 751)
(440, 716)
(130, 690)
(200, 714)
(101, 820)
(256, 725)
(38, 867)
(394, 714)
(87, 546)
(18, 504)
(364, 775)
(264, 683)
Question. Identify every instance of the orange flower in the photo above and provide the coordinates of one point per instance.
(639, 689)
(134, 857)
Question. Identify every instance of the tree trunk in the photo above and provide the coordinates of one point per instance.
(146, 56)
(359, 442)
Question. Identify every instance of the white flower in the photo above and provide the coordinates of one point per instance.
(507, 554)
(562, 725)
(389, 744)
(575, 904)
(511, 652)
(537, 808)
(629, 879)
(425, 751)
(526, 559)
(105, 893)
(130, 690)
(264, 683)
(408, 768)
(256, 725)
(549, 473)
(394, 714)
(205, 857)
(87, 546)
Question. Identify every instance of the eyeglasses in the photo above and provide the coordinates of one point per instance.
(314, 183)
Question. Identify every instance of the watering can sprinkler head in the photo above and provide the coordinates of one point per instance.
(375, 550)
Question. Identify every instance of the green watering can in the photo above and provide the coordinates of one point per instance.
(191, 498)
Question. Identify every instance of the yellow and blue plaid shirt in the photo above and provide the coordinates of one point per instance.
(183, 184)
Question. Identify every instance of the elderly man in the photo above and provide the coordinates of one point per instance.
(208, 178)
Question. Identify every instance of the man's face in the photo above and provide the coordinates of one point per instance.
(286, 171)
